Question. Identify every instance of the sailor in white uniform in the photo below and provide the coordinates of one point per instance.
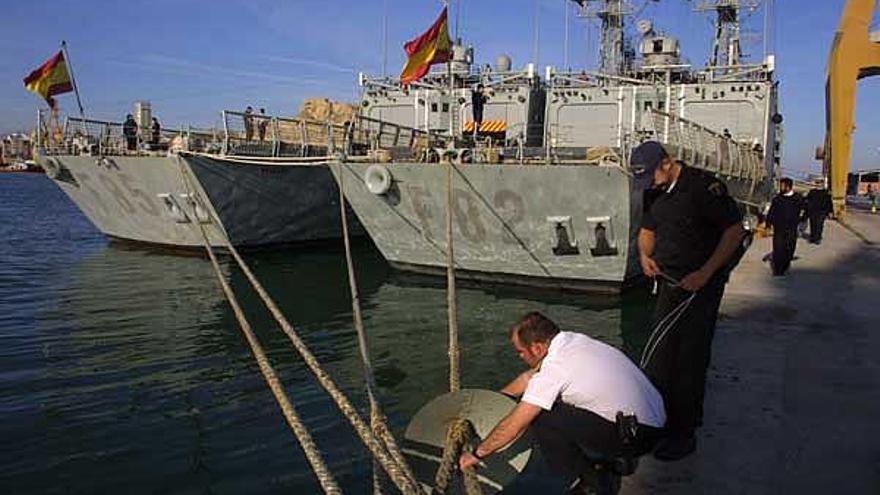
(571, 395)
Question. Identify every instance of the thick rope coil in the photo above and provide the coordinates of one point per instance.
(459, 438)
(313, 455)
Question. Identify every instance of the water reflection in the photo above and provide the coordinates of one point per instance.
(124, 370)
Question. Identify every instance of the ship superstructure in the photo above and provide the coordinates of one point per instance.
(542, 195)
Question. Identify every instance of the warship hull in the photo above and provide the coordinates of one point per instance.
(554, 226)
(274, 203)
(162, 201)
(142, 199)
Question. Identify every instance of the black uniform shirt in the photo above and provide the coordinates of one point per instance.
(688, 221)
(785, 211)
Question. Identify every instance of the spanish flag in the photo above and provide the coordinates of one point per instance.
(50, 79)
(432, 47)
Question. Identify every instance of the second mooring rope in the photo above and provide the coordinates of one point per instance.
(378, 421)
(313, 455)
(452, 308)
(372, 442)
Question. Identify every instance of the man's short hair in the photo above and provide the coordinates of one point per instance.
(534, 327)
(788, 182)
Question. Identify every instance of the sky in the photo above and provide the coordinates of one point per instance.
(193, 58)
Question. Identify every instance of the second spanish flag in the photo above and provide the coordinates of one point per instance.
(432, 47)
(50, 79)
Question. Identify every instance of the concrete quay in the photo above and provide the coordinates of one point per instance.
(793, 398)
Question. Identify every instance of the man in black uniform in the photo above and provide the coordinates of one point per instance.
(478, 100)
(784, 216)
(690, 233)
(818, 207)
(130, 131)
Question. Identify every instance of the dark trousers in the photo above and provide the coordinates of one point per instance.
(817, 224)
(572, 440)
(131, 142)
(679, 363)
(784, 243)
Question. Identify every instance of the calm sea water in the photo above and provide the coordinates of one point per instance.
(123, 370)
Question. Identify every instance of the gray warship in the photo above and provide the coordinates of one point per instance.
(543, 195)
(162, 195)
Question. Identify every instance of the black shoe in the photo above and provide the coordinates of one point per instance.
(676, 447)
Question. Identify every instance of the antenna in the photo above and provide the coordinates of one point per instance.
(615, 54)
(384, 38)
(727, 47)
(537, 36)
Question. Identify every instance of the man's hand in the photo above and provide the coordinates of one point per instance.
(695, 280)
(467, 460)
(649, 266)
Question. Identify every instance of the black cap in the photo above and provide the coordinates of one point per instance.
(646, 157)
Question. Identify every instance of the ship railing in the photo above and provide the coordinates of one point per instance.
(106, 138)
(704, 148)
(265, 135)
(439, 80)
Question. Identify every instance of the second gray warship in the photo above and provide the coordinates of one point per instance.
(189, 184)
(543, 195)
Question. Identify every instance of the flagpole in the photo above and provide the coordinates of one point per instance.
(451, 81)
(82, 112)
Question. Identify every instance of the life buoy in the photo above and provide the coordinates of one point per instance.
(378, 179)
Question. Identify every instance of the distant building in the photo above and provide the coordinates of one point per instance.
(16, 147)
(857, 182)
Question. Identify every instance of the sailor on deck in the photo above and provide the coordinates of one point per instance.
(571, 394)
(689, 236)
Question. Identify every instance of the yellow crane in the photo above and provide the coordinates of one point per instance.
(855, 54)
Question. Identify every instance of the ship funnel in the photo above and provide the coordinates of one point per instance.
(503, 63)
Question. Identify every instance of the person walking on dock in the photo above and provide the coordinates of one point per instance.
(784, 216)
(689, 240)
(130, 132)
(571, 396)
(818, 208)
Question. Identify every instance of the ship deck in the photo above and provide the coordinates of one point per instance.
(794, 387)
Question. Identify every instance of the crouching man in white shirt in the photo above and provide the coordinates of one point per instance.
(571, 395)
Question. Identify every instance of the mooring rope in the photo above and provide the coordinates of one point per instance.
(667, 323)
(371, 441)
(459, 438)
(313, 455)
(278, 161)
(378, 421)
(452, 309)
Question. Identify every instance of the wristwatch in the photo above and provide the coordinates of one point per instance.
(474, 453)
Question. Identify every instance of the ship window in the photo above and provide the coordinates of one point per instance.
(658, 46)
(433, 107)
(446, 107)
(661, 105)
(649, 105)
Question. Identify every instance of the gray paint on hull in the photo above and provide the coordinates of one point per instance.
(272, 204)
(501, 230)
(121, 196)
